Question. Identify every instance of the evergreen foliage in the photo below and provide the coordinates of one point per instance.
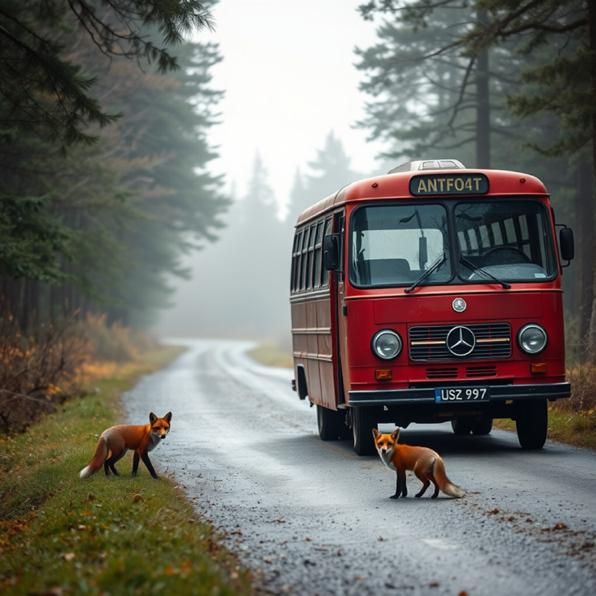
(95, 219)
(327, 173)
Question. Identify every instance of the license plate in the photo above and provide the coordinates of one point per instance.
(458, 394)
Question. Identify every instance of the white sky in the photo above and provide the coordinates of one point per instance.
(289, 79)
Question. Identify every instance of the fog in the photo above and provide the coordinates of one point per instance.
(286, 139)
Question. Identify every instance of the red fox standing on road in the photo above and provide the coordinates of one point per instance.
(116, 440)
(424, 462)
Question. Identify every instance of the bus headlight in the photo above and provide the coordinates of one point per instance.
(386, 344)
(532, 339)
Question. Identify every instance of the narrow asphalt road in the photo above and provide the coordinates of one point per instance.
(311, 517)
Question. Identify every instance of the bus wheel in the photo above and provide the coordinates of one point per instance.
(331, 424)
(482, 425)
(362, 425)
(532, 423)
(461, 426)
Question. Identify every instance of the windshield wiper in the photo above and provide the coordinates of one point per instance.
(484, 272)
(427, 273)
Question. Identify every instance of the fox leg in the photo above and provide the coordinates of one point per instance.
(424, 477)
(397, 487)
(431, 475)
(401, 480)
(425, 485)
(106, 465)
(135, 463)
(147, 462)
(434, 495)
(112, 460)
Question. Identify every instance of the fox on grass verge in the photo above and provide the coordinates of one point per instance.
(116, 440)
(424, 462)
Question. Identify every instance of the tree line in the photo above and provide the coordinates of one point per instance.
(105, 109)
(495, 83)
(240, 284)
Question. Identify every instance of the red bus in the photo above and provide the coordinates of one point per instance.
(430, 294)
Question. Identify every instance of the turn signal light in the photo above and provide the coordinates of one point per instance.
(383, 374)
(538, 368)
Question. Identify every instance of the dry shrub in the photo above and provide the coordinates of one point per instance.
(37, 370)
(113, 342)
(583, 389)
(41, 369)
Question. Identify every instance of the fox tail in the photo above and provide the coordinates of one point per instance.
(95, 464)
(444, 483)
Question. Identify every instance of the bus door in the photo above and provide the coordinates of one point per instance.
(341, 311)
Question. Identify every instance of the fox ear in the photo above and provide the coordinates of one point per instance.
(168, 416)
(395, 434)
(152, 417)
(375, 433)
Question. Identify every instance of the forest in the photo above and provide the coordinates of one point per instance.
(108, 189)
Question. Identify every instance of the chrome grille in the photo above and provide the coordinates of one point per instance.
(493, 340)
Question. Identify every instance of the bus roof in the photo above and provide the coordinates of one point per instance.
(397, 186)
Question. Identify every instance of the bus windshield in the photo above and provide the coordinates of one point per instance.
(509, 240)
(498, 241)
(395, 244)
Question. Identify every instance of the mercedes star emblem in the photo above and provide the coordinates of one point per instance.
(459, 305)
(460, 341)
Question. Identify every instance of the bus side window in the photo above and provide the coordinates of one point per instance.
(324, 272)
(318, 254)
(296, 260)
(303, 259)
(311, 250)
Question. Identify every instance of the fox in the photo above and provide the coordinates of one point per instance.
(116, 440)
(424, 462)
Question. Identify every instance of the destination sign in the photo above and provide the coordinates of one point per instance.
(449, 184)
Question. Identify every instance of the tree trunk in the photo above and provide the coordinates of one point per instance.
(583, 267)
(482, 102)
(589, 215)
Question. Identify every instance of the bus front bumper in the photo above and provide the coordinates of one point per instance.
(428, 395)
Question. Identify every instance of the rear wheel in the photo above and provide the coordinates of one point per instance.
(331, 424)
(461, 426)
(362, 424)
(532, 423)
(482, 425)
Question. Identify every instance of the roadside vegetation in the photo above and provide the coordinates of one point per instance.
(572, 420)
(270, 354)
(60, 535)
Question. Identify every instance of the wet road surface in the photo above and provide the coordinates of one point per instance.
(311, 517)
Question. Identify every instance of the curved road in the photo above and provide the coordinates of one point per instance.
(311, 517)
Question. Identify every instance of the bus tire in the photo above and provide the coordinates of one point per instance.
(532, 423)
(331, 424)
(482, 426)
(301, 382)
(362, 425)
(461, 426)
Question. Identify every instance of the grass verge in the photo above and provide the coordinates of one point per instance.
(269, 354)
(566, 426)
(117, 535)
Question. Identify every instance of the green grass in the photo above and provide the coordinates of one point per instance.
(117, 535)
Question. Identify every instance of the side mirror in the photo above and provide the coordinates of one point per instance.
(331, 252)
(566, 244)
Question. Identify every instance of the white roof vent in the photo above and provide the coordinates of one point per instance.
(429, 164)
